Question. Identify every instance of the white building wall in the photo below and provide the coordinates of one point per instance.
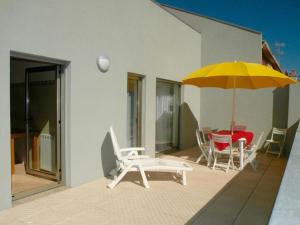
(222, 42)
(139, 37)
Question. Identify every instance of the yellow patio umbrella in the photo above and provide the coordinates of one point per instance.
(237, 75)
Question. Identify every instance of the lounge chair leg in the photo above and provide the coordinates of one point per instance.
(145, 181)
(117, 180)
(183, 178)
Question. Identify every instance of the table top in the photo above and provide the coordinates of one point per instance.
(247, 135)
(18, 135)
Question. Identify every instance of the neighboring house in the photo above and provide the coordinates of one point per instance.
(280, 95)
(268, 57)
(48, 58)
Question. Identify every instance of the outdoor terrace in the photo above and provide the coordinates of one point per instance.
(210, 198)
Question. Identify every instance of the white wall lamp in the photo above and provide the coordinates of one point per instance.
(103, 63)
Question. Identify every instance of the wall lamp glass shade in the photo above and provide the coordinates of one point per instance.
(103, 63)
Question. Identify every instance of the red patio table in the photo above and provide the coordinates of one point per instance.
(248, 135)
(241, 136)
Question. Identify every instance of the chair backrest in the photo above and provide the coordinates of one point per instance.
(198, 135)
(205, 131)
(260, 139)
(115, 144)
(222, 139)
(254, 149)
(255, 146)
(276, 132)
(200, 143)
(239, 127)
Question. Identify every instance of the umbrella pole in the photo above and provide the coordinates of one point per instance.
(233, 107)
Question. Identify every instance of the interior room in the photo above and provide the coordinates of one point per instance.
(35, 126)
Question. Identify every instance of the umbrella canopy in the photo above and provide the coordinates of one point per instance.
(237, 75)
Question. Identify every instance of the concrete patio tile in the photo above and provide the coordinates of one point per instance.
(210, 197)
(149, 220)
(44, 217)
(91, 216)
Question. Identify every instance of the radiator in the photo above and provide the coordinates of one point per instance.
(47, 152)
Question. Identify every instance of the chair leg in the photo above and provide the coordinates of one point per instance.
(215, 162)
(268, 148)
(199, 159)
(232, 163)
(280, 152)
(117, 180)
(252, 163)
(142, 172)
(228, 164)
(209, 158)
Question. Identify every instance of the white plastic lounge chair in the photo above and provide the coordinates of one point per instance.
(204, 148)
(250, 152)
(128, 159)
(229, 150)
(277, 138)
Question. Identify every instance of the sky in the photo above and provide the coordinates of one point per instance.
(278, 20)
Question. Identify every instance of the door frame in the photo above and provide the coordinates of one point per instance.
(65, 118)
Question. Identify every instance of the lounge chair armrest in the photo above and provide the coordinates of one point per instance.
(132, 149)
(136, 157)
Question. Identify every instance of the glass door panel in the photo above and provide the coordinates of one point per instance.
(133, 111)
(167, 115)
(43, 122)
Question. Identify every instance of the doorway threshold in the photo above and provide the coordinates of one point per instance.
(32, 194)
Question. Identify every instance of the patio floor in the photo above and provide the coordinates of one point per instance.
(210, 197)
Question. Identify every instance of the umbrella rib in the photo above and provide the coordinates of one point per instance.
(277, 82)
(251, 81)
(250, 78)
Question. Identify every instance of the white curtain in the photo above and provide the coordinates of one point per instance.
(167, 115)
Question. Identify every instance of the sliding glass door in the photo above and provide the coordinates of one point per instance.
(134, 104)
(43, 122)
(167, 115)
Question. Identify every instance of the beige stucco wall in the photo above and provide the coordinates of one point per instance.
(139, 37)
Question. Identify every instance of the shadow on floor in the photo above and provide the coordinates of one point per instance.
(135, 177)
(247, 199)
